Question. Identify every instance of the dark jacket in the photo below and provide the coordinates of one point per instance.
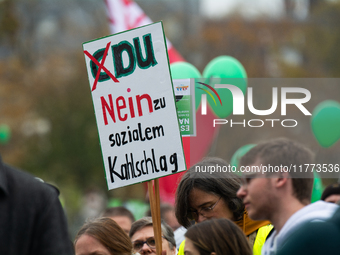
(32, 220)
(315, 238)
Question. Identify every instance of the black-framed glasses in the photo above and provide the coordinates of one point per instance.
(204, 211)
(151, 242)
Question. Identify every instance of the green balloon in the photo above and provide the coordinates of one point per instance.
(184, 70)
(317, 188)
(5, 134)
(224, 67)
(229, 71)
(325, 123)
(235, 159)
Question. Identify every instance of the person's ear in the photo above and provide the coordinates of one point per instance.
(174, 251)
(282, 179)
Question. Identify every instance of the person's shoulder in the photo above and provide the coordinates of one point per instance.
(320, 210)
(322, 205)
(317, 211)
(179, 235)
(25, 183)
(181, 248)
(336, 217)
(313, 238)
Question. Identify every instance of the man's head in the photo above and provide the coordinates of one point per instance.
(331, 193)
(143, 239)
(261, 195)
(168, 215)
(122, 216)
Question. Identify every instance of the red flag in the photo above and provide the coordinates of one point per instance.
(126, 14)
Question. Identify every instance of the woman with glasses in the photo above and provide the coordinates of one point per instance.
(208, 190)
(102, 236)
(215, 237)
(143, 240)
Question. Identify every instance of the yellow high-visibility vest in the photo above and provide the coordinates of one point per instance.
(261, 237)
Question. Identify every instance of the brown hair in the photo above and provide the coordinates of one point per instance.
(285, 152)
(223, 184)
(221, 236)
(109, 234)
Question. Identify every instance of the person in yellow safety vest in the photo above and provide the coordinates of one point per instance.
(216, 236)
(260, 236)
(207, 191)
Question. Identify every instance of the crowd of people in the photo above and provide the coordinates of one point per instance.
(255, 212)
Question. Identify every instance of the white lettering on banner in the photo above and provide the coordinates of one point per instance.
(238, 100)
(261, 123)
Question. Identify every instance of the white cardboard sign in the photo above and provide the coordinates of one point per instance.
(134, 105)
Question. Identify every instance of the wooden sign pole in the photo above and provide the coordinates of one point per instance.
(156, 214)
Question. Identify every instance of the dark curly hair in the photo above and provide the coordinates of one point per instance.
(223, 184)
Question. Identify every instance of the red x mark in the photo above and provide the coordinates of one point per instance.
(101, 66)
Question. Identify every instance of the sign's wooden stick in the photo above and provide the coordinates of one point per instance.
(156, 214)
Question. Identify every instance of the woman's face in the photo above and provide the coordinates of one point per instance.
(189, 248)
(87, 245)
(207, 206)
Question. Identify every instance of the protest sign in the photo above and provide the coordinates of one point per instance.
(134, 104)
(185, 104)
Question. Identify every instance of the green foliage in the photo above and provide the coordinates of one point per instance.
(323, 39)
